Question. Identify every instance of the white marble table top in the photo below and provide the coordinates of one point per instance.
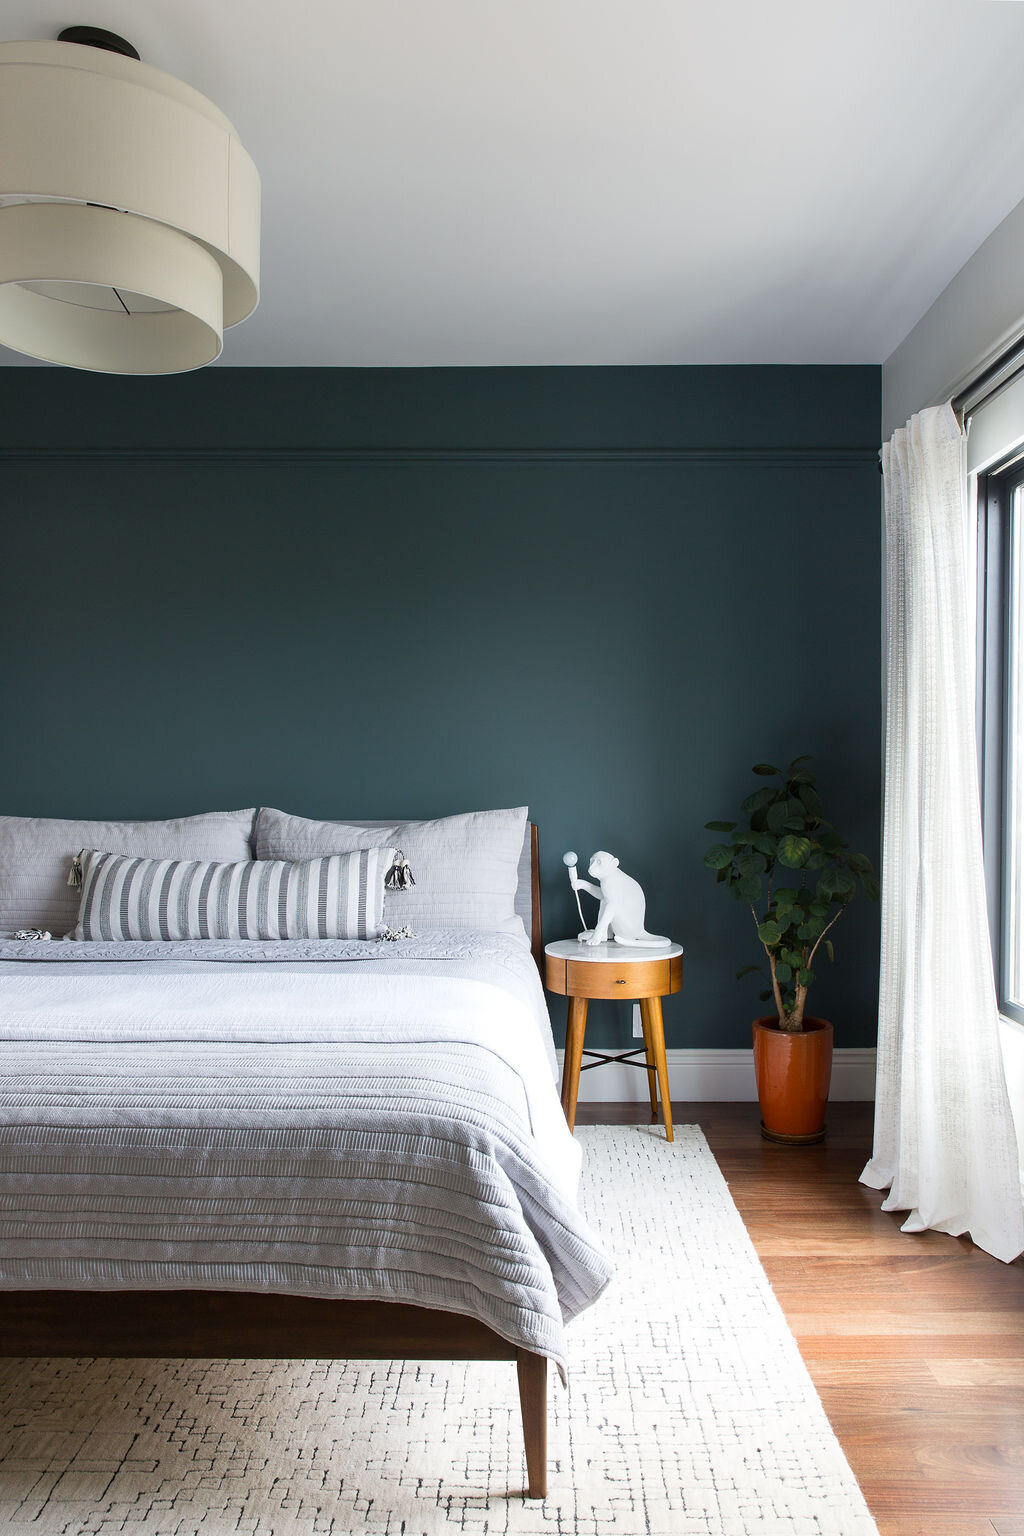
(616, 954)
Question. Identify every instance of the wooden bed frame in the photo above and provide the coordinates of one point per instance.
(251, 1325)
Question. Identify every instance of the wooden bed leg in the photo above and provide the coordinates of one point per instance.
(533, 1400)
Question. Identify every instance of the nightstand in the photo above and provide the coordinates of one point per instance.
(582, 971)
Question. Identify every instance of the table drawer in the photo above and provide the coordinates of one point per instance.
(636, 978)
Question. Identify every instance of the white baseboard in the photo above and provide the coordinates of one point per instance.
(707, 1076)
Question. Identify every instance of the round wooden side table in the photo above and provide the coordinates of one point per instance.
(582, 971)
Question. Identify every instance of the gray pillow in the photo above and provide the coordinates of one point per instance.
(466, 867)
(36, 854)
(336, 897)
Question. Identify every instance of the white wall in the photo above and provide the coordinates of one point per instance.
(979, 314)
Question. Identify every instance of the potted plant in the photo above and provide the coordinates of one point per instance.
(784, 830)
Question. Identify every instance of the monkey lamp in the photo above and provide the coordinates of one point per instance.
(620, 916)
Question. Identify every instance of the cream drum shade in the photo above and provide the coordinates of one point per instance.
(129, 213)
(59, 263)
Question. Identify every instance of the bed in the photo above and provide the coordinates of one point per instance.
(334, 1149)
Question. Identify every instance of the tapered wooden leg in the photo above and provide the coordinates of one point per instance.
(649, 1057)
(533, 1401)
(650, 1012)
(575, 1031)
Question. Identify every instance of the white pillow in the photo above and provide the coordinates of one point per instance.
(466, 867)
(36, 854)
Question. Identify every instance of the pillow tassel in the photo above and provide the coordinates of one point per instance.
(399, 877)
(75, 872)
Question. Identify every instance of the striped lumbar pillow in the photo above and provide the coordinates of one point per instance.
(336, 897)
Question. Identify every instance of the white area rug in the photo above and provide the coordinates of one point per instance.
(690, 1412)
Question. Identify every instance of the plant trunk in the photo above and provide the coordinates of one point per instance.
(780, 1006)
(793, 1023)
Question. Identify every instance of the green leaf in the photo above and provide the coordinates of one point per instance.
(871, 887)
(783, 972)
(797, 760)
(836, 884)
(810, 799)
(787, 894)
(749, 862)
(765, 996)
(759, 798)
(769, 932)
(765, 843)
(830, 951)
(723, 874)
(719, 826)
(746, 970)
(750, 887)
(860, 864)
(776, 815)
(793, 851)
(719, 856)
(805, 978)
(766, 769)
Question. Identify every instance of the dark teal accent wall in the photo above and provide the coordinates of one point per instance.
(602, 591)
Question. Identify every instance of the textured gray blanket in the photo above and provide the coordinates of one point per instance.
(307, 1124)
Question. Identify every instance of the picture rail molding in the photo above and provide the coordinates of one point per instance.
(789, 457)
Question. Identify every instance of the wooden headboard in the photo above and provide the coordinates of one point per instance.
(536, 927)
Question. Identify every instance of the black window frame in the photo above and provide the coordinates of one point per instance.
(995, 494)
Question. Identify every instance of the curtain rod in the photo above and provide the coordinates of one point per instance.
(985, 386)
(999, 375)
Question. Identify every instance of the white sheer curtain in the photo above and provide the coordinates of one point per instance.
(944, 1136)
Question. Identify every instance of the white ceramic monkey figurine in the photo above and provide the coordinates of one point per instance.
(621, 914)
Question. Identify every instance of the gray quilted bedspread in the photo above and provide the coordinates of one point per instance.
(338, 1120)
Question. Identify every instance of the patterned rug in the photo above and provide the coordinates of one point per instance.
(689, 1410)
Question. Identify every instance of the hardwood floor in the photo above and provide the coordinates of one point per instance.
(914, 1342)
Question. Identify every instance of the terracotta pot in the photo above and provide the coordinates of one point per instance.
(793, 1073)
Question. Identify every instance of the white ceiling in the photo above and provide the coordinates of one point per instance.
(597, 181)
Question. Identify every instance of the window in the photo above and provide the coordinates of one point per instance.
(1001, 718)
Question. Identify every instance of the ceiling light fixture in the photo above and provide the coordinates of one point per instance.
(129, 211)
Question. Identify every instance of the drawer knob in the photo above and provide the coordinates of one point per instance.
(620, 981)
